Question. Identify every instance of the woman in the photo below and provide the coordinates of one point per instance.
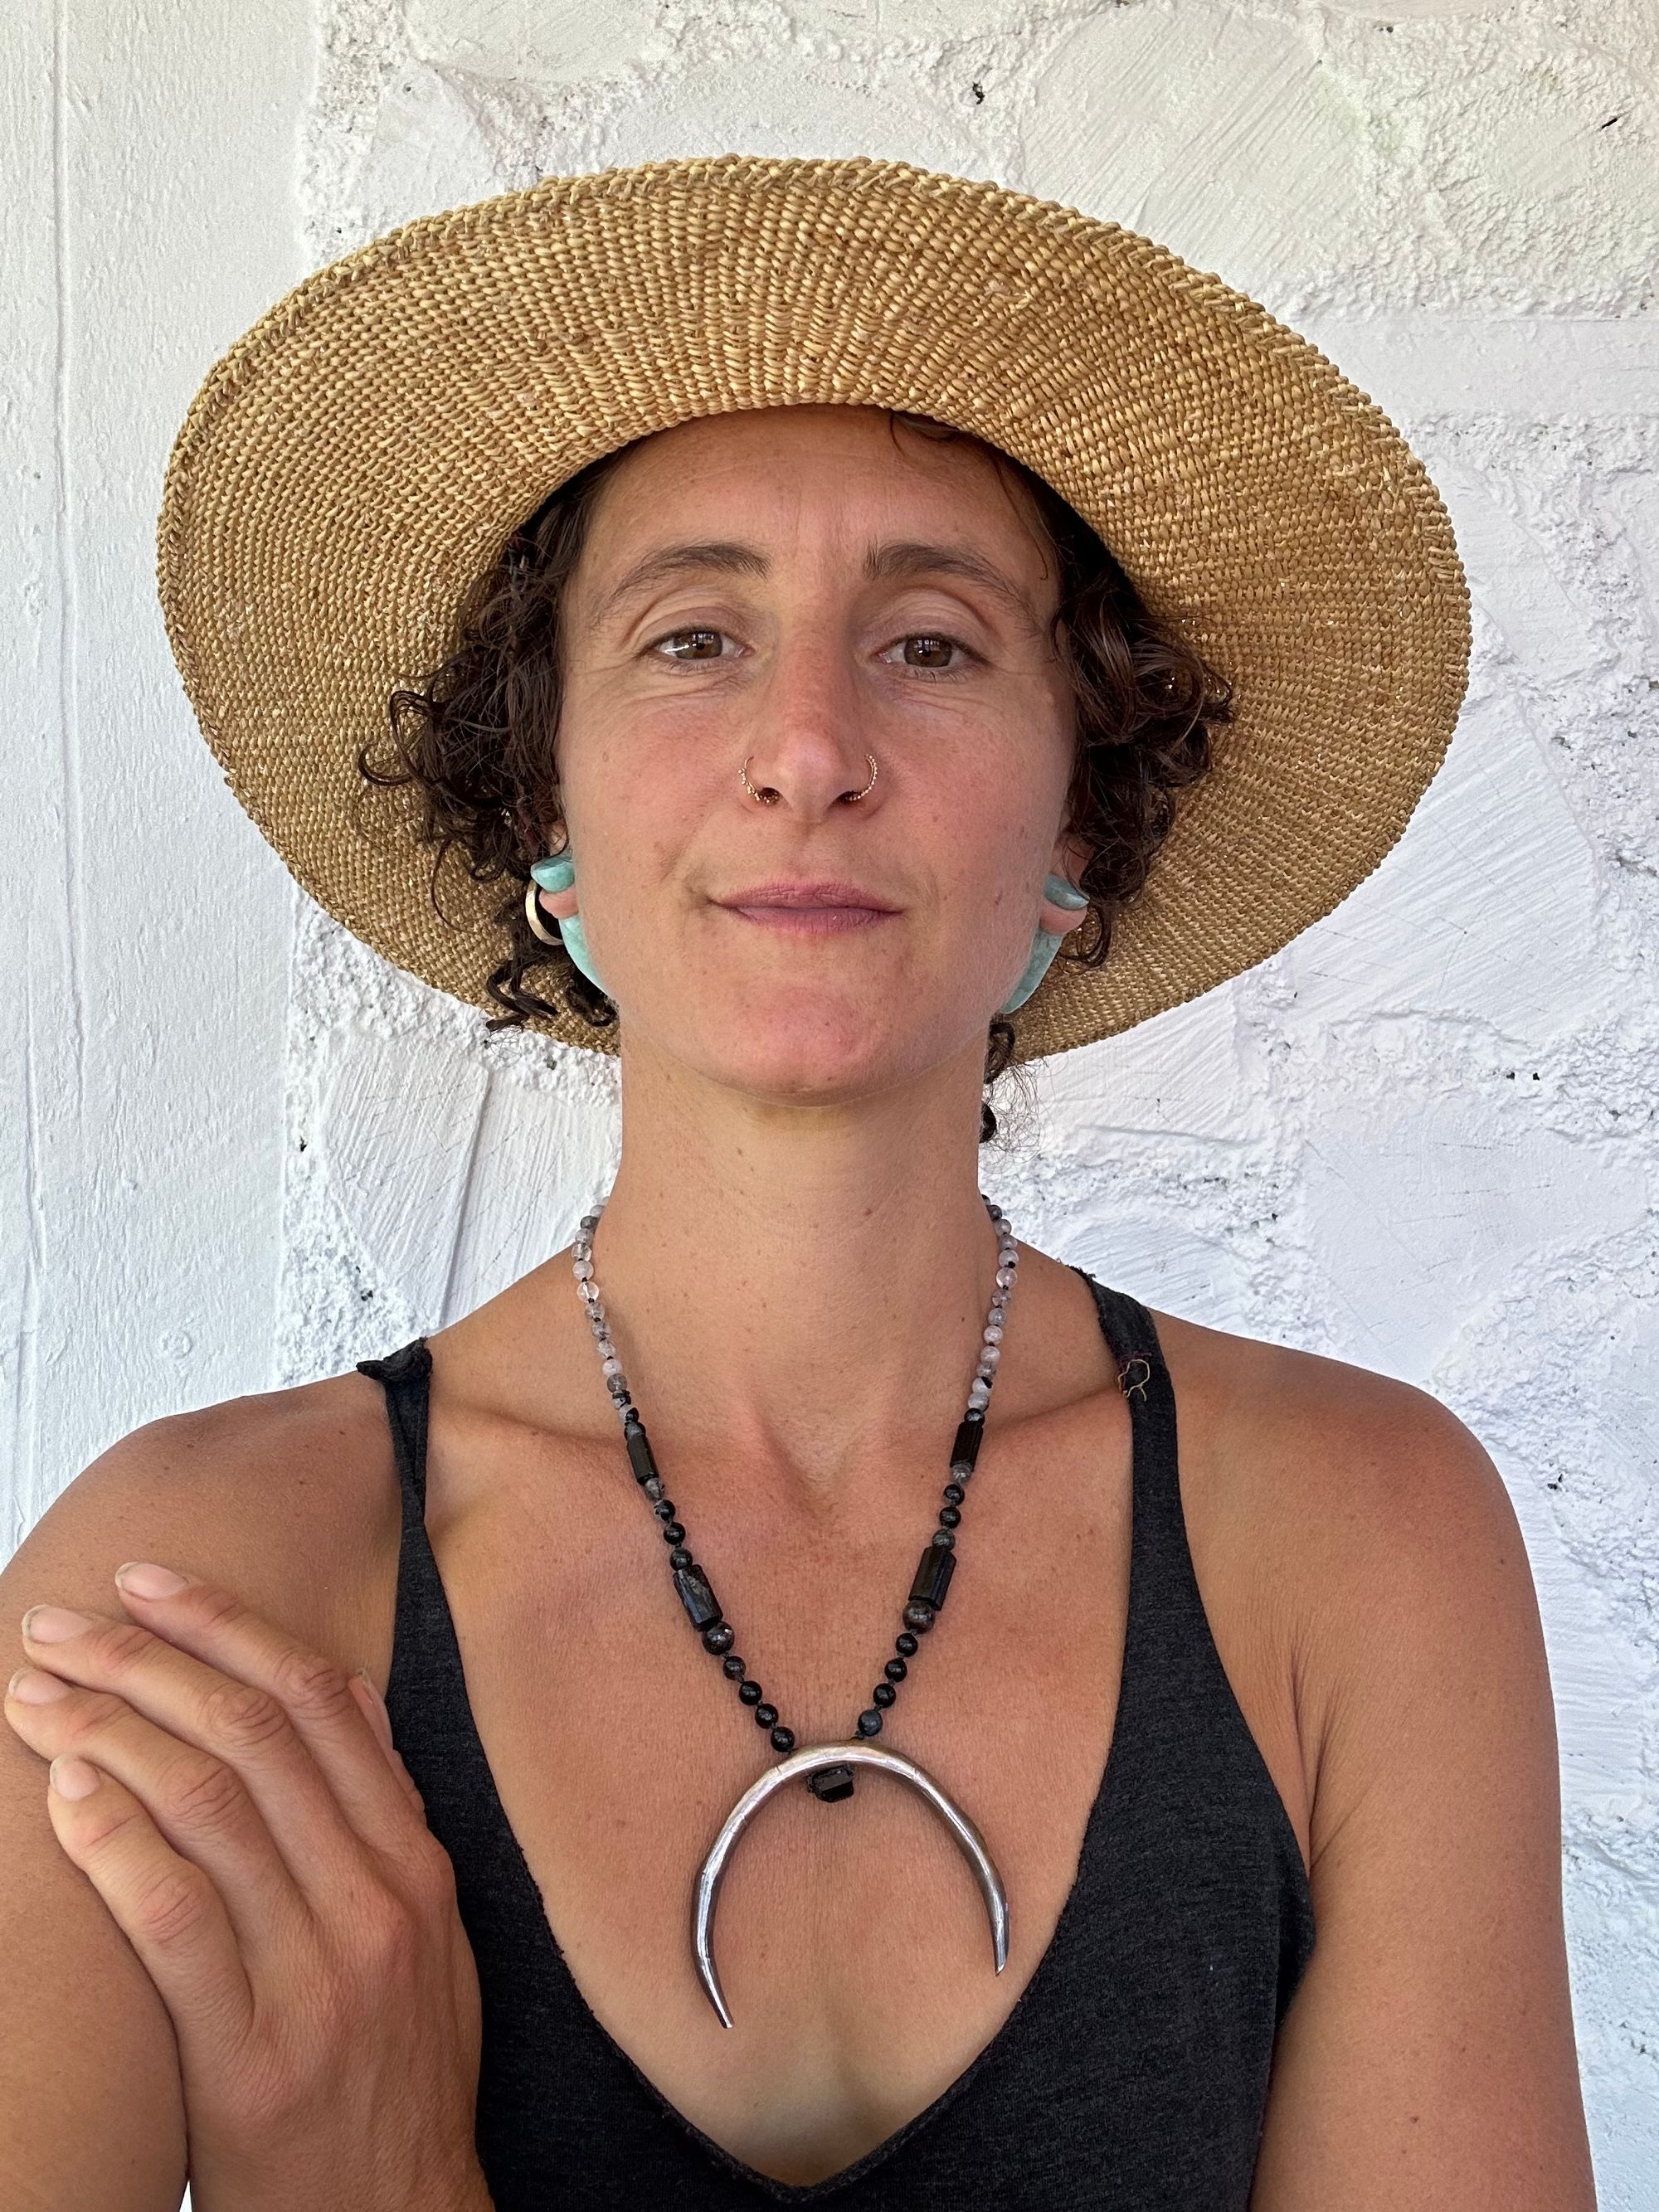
(840, 716)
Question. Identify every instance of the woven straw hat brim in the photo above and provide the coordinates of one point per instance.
(355, 461)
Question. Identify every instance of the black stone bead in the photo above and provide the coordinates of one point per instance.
(702, 1606)
(955, 1493)
(884, 1693)
(732, 1668)
(896, 1670)
(766, 1716)
(943, 1540)
(719, 1638)
(950, 1518)
(831, 1783)
(681, 1558)
(919, 1616)
(750, 1692)
(870, 1723)
(906, 1644)
(639, 1450)
(654, 1488)
(783, 1740)
(664, 1509)
(674, 1532)
(933, 1576)
(965, 1450)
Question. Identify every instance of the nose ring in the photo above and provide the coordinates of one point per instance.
(851, 797)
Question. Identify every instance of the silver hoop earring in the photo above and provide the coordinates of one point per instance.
(532, 915)
(851, 797)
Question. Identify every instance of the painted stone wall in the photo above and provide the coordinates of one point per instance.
(1422, 1138)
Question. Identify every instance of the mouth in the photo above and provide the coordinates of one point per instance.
(811, 920)
(810, 909)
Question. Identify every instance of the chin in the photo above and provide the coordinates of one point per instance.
(796, 1045)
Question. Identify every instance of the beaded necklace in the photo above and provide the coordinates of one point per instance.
(826, 1768)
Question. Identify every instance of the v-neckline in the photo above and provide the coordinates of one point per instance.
(1094, 1833)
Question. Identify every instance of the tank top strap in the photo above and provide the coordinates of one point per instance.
(432, 1725)
(405, 1377)
(1169, 1631)
(427, 1692)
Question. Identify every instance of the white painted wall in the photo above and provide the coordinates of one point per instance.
(240, 1150)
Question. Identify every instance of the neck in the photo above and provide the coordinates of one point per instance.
(800, 1291)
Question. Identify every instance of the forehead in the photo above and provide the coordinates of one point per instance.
(839, 455)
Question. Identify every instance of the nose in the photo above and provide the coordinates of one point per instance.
(807, 749)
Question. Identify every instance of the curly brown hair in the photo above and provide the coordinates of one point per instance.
(472, 739)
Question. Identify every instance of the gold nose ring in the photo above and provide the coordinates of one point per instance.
(851, 797)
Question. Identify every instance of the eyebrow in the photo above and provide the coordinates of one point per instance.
(897, 557)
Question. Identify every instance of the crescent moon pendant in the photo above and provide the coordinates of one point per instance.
(859, 1752)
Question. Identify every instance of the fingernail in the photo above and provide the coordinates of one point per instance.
(377, 1711)
(54, 1624)
(73, 1778)
(374, 1712)
(30, 1687)
(144, 1579)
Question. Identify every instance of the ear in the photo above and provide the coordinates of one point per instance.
(562, 905)
(1070, 856)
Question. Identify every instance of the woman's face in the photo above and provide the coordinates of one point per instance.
(798, 588)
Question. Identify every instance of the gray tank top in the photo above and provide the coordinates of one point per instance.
(1132, 2075)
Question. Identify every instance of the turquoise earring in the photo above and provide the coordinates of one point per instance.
(1045, 943)
(558, 876)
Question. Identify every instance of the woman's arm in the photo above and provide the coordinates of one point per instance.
(288, 1500)
(1428, 2058)
(91, 2112)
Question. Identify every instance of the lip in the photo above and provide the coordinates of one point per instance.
(822, 893)
(811, 921)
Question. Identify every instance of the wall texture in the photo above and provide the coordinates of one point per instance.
(241, 1150)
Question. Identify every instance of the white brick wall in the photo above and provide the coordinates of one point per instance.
(1422, 1138)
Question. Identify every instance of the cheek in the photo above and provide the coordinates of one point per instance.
(994, 845)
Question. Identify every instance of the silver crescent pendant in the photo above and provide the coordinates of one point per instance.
(859, 1752)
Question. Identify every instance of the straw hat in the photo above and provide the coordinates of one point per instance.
(357, 459)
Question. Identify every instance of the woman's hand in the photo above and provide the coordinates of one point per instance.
(236, 1801)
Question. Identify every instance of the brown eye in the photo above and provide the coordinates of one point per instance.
(701, 638)
(929, 653)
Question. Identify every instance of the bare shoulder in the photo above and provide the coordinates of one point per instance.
(1431, 2038)
(1357, 1504)
(287, 1497)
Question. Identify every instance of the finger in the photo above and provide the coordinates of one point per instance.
(239, 1723)
(379, 1720)
(198, 1804)
(215, 1626)
(168, 1909)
